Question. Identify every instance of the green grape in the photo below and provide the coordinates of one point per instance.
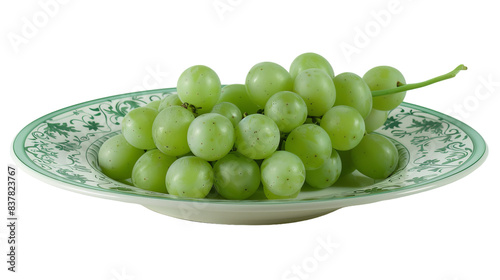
(257, 136)
(310, 60)
(311, 121)
(265, 79)
(189, 176)
(271, 196)
(236, 176)
(170, 130)
(168, 101)
(316, 87)
(375, 156)
(375, 119)
(154, 104)
(283, 173)
(210, 136)
(385, 77)
(237, 94)
(327, 174)
(150, 170)
(259, 193)
(199, 86)
(353, 91)
(186, 155)
(347, 165)
(311, 144)
(287, 109)
(117, 157)
(228, 110)
(136, 127)
(345, 126)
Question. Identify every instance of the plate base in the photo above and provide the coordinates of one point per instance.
(242, 218)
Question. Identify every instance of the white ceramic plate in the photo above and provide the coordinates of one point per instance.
(61, 149)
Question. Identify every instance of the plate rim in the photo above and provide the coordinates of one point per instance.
(477, 158)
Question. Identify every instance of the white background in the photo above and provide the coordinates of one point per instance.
(81, 50)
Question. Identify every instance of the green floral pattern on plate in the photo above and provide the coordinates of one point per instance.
(63, 146)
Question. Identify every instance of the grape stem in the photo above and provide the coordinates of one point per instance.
(405, 87)
(191, 108)
(315, 120)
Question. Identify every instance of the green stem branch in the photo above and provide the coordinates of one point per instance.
(405, 87)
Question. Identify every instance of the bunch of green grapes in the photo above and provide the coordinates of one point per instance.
(280, 130)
